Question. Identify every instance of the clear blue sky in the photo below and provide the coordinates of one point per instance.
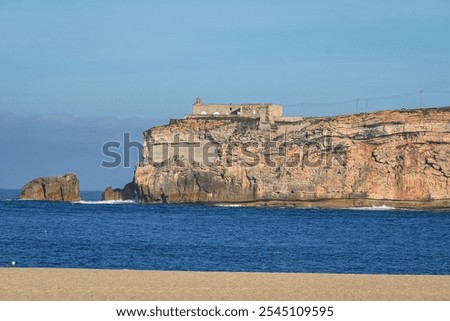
(141, 58)
(151, 59)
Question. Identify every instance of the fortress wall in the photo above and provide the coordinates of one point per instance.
(288, 119)
(222, 109)
(266, 112)
(275, 111)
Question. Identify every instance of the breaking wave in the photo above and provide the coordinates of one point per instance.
(373, 208)
(227, 205)
(105, 202)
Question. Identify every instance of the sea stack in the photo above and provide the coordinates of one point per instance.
(252, 154)
(54, 188)
(120, 194)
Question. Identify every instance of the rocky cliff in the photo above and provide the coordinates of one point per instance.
(54, 188)
(399, 158)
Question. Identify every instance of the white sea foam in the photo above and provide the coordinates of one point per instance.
(373, 208)
(228, 205)
(105, 202)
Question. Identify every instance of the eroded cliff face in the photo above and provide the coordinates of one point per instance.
(391, 157)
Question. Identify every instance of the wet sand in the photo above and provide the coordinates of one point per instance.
(79, 284)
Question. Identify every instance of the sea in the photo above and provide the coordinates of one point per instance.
(192, 237)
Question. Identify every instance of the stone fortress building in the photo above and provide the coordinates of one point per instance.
(191, 146)
(266, 112)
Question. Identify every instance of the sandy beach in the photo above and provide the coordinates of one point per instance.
(79, 284)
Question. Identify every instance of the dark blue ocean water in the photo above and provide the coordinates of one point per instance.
(212, 238)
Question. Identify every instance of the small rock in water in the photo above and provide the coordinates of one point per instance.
(54, 188)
